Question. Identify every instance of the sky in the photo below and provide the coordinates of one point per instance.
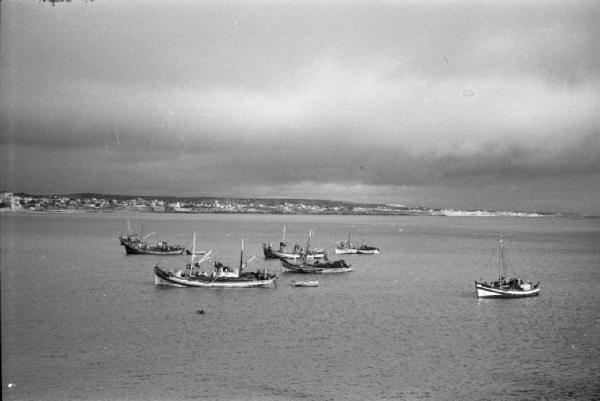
(450, 104)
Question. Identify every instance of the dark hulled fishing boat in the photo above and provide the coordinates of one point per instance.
(129, 237)
(136, 246)
(161, 248)
(317, 266)
(367, 250)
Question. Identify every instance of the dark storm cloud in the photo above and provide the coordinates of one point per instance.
(329, 161)
(285, 95)
(514, 162)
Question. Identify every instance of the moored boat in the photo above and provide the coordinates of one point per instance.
(506, 286)
(282, 252)
(161, 248)
(135, 245)
(129, 237)
(367, 250)
(221, 276)
(199, 253)
(123, 239)
(317, 266)
(350, 247)
(346, 247)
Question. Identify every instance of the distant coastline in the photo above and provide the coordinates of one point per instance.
(100, 203)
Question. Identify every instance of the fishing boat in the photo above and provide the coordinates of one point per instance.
(123, 239)
(346, 247)
(506, 286)
(272, 253)
(161, 248)
(367, 250)
(129, 237)
(305, 283)
(349, 247)
(316, 266)
(141, 247)
(221, 276)
(199, 253)
(135, 245)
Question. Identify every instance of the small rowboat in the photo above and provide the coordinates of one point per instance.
(305, 283)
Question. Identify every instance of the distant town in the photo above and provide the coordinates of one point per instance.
(88, 202)
(111, 203)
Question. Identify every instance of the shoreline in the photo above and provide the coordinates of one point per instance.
(408, 213)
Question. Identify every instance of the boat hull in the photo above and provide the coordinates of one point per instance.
(165, 277)
(368, 251)
(199, 253)
(484, 291)
(134, 250)
(285, 255)
(269, 253)
(301, 269)
(338, 266)
(345, 251)
(273, 254)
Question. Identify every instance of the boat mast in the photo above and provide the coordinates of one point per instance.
(304, 256)
(283, 235)
(242, 257)
(501, 259)
(193, 253)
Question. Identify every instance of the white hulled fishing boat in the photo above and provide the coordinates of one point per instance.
(506, 286)
(350, 247)
(221, 276)
(283, 252)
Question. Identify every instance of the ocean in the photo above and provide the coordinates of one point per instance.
(83, 321)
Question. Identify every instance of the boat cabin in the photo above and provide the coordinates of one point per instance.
(220, 270)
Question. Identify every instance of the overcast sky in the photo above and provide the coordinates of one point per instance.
(465, 105)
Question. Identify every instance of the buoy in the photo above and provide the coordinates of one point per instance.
(200, 311)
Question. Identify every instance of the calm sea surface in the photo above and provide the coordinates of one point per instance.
(81, 320)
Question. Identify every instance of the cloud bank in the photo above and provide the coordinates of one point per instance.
(393, 101)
